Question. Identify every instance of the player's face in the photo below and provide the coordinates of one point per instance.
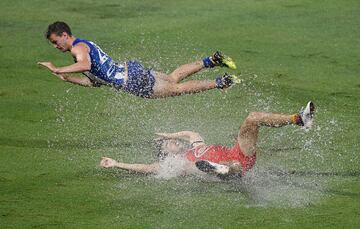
(59, 42)
(172, 146)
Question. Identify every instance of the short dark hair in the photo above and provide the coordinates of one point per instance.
(58, 28)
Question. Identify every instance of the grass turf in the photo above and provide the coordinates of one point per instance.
(53, 134)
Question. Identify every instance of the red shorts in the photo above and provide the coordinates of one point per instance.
(219, 153)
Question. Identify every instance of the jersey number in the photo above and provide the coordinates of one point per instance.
(102, 56)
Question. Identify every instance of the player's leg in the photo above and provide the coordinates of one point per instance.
(249, 129)
(248, 137)
(185, 70)
(165, 88)
(217, 59)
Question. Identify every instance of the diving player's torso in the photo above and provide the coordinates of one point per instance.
(103, 68)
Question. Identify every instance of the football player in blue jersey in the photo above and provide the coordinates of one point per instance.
(130, 76)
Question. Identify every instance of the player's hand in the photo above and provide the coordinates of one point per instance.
(164, 135)
(48, 65)
(107, 162)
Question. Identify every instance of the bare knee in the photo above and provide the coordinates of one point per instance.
(253, 117)
(172, 79)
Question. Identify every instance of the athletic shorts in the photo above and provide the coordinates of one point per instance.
(140, 81)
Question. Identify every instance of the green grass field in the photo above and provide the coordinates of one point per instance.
(53, 134)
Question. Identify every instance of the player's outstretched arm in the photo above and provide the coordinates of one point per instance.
(83, 62)
(83, 81)
(189, 136)
(107, 162)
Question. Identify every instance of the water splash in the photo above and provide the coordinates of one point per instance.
(171, 167)
(291, 161)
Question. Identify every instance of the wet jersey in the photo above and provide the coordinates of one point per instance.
(219, 153)
(103, 69)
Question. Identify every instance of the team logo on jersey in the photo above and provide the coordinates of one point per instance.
(200, 151)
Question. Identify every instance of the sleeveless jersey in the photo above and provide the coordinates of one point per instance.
(103, 69)
(219, 153)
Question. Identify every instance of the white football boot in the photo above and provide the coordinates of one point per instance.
(307, 115)
(211, 167)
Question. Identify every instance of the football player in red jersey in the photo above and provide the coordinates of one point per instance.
(217, 159)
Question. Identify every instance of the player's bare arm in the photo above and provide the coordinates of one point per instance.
(79, 80)
(190, 136)
(81, 53)
(139, 168)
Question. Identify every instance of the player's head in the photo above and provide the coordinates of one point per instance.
(58, 33)
(166, 147)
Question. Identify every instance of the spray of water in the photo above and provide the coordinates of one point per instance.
(291, 163)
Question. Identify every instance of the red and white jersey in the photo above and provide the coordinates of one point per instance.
(219, 153)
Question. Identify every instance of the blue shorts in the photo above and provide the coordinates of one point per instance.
(140, 80)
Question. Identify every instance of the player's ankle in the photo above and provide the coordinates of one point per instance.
(208, 63)
(296, 119)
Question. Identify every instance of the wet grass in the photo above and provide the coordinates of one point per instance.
(53, 134)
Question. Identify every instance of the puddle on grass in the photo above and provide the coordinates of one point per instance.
(273, 189)
(290, 159)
